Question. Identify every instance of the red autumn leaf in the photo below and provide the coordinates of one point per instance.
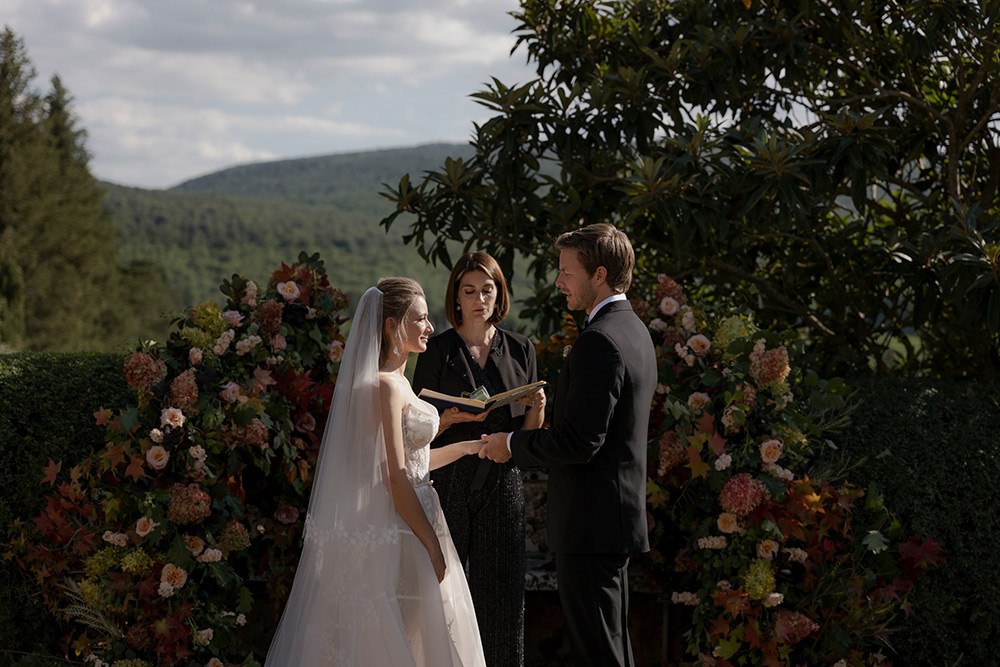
(262, 380)
(134, 469)
(719, 627)
(114, 455)
(922, 553)
(706, 423)
(717, 444)
(51, 471)
(84, 542)
(103, 416)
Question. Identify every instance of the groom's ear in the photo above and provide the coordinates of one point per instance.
(601, 275)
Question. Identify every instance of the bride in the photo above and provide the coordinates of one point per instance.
(379, 582)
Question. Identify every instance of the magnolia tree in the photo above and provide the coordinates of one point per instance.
(841, 159)
(176, 543)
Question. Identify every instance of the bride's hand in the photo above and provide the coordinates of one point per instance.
(470, 447)
(437, 560)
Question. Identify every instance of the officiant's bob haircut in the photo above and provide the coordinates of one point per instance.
(604, 245)
(476, 261)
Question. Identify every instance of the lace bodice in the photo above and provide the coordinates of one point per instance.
(420, 425)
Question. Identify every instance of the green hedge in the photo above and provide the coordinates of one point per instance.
(933, 450)
(47, 405)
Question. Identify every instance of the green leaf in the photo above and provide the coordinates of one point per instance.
(875, 542)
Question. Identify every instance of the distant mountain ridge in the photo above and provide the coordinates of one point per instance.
(324, 178)
(248, 219)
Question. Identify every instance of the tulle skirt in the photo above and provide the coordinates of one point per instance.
(439, 619)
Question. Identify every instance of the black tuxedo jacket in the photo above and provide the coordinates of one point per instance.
(445, 367)
(595, 449)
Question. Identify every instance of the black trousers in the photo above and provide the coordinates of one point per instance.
(593, 591)
(487, 527)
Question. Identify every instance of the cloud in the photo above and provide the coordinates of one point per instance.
(172, 89)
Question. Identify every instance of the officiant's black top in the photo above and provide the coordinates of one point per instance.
(448, 367)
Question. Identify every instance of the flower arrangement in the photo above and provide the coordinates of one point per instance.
(162, 545)
(776, 568)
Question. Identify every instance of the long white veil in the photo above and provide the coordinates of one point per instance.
(342, 608)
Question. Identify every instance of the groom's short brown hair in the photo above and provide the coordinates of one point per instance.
(602, 244)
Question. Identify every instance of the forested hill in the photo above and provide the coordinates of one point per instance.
(250, 218)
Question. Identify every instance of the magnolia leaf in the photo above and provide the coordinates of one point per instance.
(875, 541)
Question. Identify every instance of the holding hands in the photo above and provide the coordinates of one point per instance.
(495, 448)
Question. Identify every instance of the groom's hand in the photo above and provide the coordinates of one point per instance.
(495, 448)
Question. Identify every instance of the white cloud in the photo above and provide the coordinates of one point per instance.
(168, 90)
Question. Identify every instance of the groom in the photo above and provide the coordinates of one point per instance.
(596, 448)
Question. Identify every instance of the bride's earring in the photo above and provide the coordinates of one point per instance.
(395, 350)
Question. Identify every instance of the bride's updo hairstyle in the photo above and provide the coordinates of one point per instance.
(398, 295)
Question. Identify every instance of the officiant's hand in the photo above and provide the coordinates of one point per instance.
(495, 448)
(534, 401)
(456, 416)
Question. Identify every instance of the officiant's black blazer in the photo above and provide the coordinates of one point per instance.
(444, 367)
(595, 450)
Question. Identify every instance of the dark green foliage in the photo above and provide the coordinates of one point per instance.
(47, 405)
(839, 159)
(61, 288)
(932, 449)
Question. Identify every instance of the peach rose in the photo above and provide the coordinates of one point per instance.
(195, 356)
(727, 522)
(194, 544)
(173, 575)
(773, 599)
(336, 350)
(767, 549)
(698, 400)
(214, 662)
(210, 556)
(289, 290)
(172, 417)
(144, 526)
(699, 344)
(278, 343)
(156, 435)
(157, 457)
(770, 450)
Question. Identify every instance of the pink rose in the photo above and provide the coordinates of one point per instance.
(157, 457)
(144, 526)
(156, 435)
(305, 422)
(286, 513)
(773, 600)
(289, 290)
(210, 556)
(165, 590)
(172, 417)
(250, 296)
(669, 305)
(335, 351)
(233, 318)
(230, 392)
(278, 342)
(195, 355)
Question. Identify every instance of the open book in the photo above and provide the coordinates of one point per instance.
(444, 401)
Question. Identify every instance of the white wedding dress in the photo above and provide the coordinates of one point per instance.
(365, 593)
(439, 634)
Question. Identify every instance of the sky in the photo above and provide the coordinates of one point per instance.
(168, 90)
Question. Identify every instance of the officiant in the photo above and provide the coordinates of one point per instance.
(483, 501)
